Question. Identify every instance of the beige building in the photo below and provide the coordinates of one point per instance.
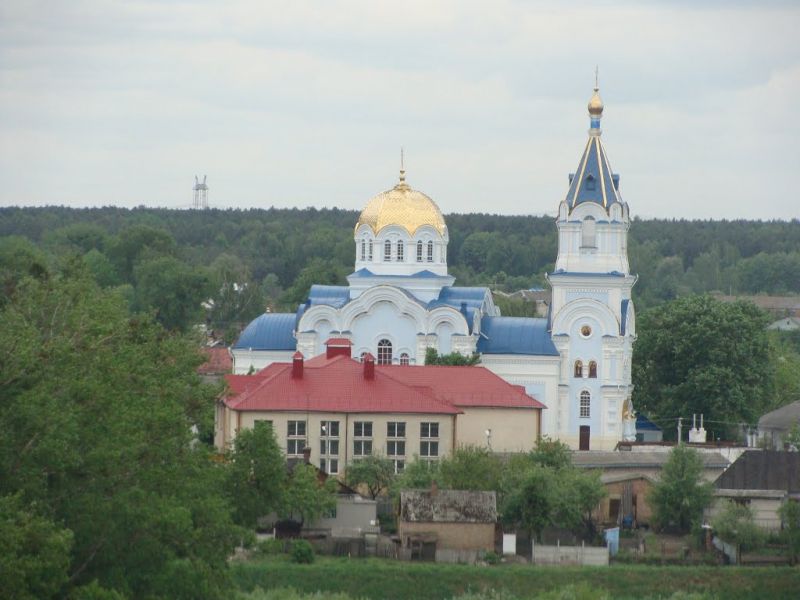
(344, 409)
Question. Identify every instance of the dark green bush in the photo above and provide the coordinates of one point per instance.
(302, 552)
(270, 546)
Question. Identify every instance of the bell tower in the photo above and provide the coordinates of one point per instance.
(592, 318)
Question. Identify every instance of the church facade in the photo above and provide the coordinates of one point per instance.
(400, 300)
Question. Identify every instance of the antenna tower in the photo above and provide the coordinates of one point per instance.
(200, 190)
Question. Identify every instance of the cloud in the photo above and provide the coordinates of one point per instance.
(292, 103)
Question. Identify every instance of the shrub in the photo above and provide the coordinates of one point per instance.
(270, 546)
(491, 558)
(302, 552)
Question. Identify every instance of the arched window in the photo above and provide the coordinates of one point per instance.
(586, 402)
(363, 250)
(430, 251)
(419, 251)
(384, 352)
(578, 368)
(361, 356)
(404, 360)
(588, 233)
(592, 369)
(387, 251)
(369, 254)
(400, 251)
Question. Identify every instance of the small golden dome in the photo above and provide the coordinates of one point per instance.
(596, 104)
(404, 207)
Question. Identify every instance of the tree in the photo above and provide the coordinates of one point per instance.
(97, 408)
(735, 525)
(418, 474)
(700, 355)
(531, 503)
(256, 475)
(34, 555)
(679, 497)
(790, 515)
(375, 472)
(470, 468)
(551, 453)
(454, 359)
(306, 496)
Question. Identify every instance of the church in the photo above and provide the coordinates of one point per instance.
(400, 300)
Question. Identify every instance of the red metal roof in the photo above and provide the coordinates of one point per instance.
(338, 385)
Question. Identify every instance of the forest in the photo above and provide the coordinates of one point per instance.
(241, 261)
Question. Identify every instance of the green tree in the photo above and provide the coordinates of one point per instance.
(256, 475)
(551, 453)
(34, 554)
(318, 271)
(679, 497)
(97, 408)
(790, 515)
(173, 290)
(374, 472)
(470, 468)
(735, 525)
(699, 355)
(454, 359)
(418, 474)
(306, 497)
(532, 501)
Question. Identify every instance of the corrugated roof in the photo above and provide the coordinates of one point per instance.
(515, 335)
(781, 418)
(338, 385)
(642, 460)
(270, 331)
(763, 470)
(448, 506)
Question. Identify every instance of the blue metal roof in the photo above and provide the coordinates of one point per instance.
(464, 299)
(581, 274)
(515, 335)
(593, 181)
(643, 423)
(270, 331)
(624, 315)
(424, 274)
(332, 295)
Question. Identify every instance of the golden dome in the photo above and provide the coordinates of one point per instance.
(404, 207)
(596, 104)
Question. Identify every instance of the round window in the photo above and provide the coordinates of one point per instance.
(586, 331)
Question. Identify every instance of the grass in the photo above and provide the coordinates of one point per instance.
(396, 580)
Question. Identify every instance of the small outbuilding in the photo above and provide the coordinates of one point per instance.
(774, 425)
(447, 525)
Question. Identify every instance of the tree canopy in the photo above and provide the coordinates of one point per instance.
(699, 355)
(679, 497)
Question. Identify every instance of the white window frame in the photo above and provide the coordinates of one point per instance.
(383, 344)
(430, 251)
(362, 439)
(585, 404)
(387, 251)
(429, 440)
(420, 251)
(296, 437)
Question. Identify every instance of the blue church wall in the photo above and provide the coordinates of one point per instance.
(585, 349)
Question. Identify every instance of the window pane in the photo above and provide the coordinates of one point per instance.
(323, 448)
(334, 429)
(368, 429)
(387, 251)
(434, 430)
(401, 429)
(333, 466)
(333, 447)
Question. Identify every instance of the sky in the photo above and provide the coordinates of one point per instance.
(296, 104)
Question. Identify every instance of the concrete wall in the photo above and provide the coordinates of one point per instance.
(355, 516)
(513, 429)
(642, 510)
(451, 536)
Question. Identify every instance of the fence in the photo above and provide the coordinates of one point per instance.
(569, 555)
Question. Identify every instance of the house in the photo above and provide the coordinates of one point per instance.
(786, 324)
(218, 363)
(626, 502)
(345, 409)
(762, 480)
(448, 525)
(773, 426)
(647, 431)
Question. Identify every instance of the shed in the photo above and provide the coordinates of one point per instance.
(446, 520)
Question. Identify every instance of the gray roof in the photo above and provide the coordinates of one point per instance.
(639, 460)
(448, 506)
(782, 418)
(763, 470)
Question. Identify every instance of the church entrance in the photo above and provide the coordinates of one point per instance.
(583, 443)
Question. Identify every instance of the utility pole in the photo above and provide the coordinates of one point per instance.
(680, 427)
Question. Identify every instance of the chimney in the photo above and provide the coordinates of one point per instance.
(307, 455)
(297, 365)
(369, 367)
